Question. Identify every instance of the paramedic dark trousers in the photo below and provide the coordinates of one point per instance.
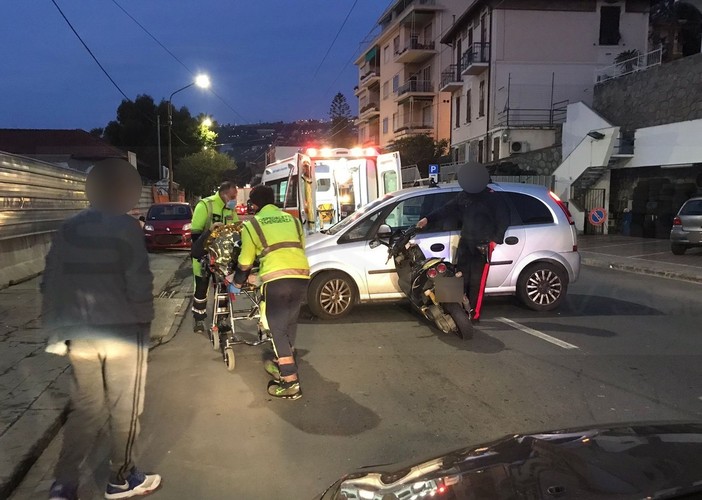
(475, 267)
(283, 298)
(200, 296)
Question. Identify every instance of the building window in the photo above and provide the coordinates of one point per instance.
(385, 125)
(386, 54)
(481, 99)
(395, 124)
(458, 111)
(609, 25)
(386, 90)
(469, 110)
(495, 148)
(481, 148)
(396, 44)
(395, 83)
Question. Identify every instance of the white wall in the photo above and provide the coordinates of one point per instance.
(580, 120)
(588, 153)
(671, 144)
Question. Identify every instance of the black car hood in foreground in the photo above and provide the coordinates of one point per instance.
(622, 461)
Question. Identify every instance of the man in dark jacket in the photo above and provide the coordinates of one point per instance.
(484, 217)
(98, 305)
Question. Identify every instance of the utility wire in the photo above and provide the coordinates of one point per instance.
(335, 38)
(89, 51)
(176, 58)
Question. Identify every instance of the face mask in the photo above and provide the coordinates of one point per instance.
(231, 204)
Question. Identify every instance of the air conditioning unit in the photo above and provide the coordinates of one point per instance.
(516, 147)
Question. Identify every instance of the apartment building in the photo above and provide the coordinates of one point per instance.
(398, 87)
(516, 64)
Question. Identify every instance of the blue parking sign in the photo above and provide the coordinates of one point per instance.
(433, 169)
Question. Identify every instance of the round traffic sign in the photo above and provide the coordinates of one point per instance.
(597, 216)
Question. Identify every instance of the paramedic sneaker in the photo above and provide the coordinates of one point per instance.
(199, 327)
(285, 390)
(272, 369)
(137, 484)
(60, 491)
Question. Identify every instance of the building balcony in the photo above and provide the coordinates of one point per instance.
(370, 78)
(357, 90)
(451, 79)
(415, 88)
(415, 52)
(476, 59)
(369, 111)
(413, 128)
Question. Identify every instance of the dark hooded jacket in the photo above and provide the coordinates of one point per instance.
(484, 216)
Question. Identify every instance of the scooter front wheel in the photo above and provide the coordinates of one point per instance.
(459, 316)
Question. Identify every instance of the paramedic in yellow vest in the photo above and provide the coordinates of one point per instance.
(276, 239)
(220, 208)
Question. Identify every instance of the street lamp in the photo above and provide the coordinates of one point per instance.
(202, 81)
(207, 122)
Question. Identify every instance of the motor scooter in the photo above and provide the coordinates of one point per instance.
(430, 283)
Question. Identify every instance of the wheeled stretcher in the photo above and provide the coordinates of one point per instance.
(223, 250)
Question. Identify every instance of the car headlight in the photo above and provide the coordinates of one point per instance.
(148, 227)
(186, 227)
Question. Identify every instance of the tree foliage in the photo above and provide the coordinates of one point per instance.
(421, 150)
(341, 134)
(135, 129)
(200, 174)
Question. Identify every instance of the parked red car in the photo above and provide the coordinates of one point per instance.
(167, 225)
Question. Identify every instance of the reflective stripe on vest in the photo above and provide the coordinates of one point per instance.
(282, 273)
(275, 246)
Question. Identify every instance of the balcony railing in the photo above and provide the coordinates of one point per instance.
(534, 117)
(412, 127)
(476, 58)
(451, 77)
(415, 51)
(369, 75)
(636, 63)
(415, 86)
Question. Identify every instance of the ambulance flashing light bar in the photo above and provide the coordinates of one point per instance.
(340, 152)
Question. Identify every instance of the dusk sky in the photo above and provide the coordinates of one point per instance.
(261, 56)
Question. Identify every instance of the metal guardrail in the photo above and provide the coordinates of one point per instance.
(516, 117)
(35, 197)
(628, 66)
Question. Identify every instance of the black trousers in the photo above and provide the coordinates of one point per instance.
(202, 285)
(282, 299)
(475, 267)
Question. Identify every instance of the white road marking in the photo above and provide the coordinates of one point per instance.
(538, 334)
(648, 254)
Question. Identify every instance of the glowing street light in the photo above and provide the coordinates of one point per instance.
(207, 122)
(202, 81)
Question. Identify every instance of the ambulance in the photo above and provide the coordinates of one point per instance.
(323, 186)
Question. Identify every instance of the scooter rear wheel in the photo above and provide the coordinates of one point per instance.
(460, 317)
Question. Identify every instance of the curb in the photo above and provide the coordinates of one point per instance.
(660, 273)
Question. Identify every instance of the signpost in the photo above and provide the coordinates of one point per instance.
(434, 173)
(597, 216)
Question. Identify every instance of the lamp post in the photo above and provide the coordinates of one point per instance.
(201, 81)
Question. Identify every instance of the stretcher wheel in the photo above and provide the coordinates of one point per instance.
(229, 358)
(214, 338)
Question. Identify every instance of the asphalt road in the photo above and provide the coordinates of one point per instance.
(383, 386)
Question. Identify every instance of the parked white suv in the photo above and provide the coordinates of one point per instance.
(537, 261)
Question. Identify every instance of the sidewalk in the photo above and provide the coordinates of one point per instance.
(34, 384)
(640, 255)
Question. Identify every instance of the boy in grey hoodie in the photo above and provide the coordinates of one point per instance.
(97, 292)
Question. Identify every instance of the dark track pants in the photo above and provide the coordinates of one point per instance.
(282, 300)
(475, 268)
(109, 376)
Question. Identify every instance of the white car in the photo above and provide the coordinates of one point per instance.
(537, 261)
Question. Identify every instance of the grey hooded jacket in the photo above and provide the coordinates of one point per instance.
(97, 274)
